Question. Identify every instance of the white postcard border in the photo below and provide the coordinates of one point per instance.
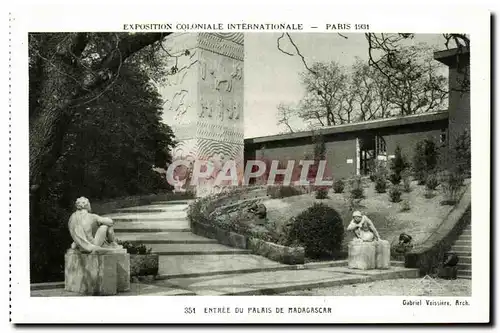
(139, 309)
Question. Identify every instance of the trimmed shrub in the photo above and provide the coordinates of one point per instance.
(338, 186)
(381, 185)
(452, 188)
(319, 229)
(406, 174)
(405, 206)
(282, 191)
(322, 192)
(425, 158)
(357, 190)
(398, 165)
(429, 194)
(395, 193)
(133, 248)
(432, 182)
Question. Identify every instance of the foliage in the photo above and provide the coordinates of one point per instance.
(405, 206)
(395, 193)
(432, 182)
(398, 165)
(402, 80)
(357, 190)
(97, 136)
(135, 248)
(338, 186)
(282, 191)
(319, 229)
(412, 77)
(425, 159)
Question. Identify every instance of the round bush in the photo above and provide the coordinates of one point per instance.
(338, 186)
(319, 229)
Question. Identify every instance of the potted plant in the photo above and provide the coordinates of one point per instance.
(142, 261)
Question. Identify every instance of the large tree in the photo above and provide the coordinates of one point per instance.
(67, 71)
(95, 130)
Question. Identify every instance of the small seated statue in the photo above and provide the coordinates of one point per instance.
(90, 232)
(363, 228)
(259, 210)
(404, 243)
(367, 250)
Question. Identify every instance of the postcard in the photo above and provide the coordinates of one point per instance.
(252, 165)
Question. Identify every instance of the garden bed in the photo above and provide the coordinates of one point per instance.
(276, 252)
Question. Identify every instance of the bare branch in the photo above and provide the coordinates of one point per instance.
(279, 48)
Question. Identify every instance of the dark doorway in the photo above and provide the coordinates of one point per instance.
(372, 147)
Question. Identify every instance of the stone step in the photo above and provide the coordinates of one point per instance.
(461, 254)
(464, 266)
(464, 274)
(133, 227)
(281, 281)
(459, 248)
(193, 249)
(152, 226)
(465, 237)
(466, 233)
(174, 237)
(173, 203)
(148, 216)
(465, 259)
(154, 207)
(461, 242)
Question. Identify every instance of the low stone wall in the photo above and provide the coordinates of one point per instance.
(284, 254)
(429, 255)
(279, 253)
(106, 207)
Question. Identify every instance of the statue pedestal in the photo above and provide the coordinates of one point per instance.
(122, 271)
(361, 255)
(383, 254)
(96, 274)
(369, 255)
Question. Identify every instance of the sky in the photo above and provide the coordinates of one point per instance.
(272, 77)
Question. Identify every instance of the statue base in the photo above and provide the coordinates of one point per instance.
(97, 274)
(369, 255)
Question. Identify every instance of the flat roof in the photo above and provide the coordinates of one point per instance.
(448, 57)
(359, 126)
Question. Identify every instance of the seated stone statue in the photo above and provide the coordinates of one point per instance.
(258, 209)
(90, 232)
(367, 250)
(363, 228)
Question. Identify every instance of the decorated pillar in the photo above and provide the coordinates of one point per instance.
(204, 101)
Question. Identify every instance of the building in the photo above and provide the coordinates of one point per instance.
(352, 148)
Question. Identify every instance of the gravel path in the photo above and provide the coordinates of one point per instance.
(398, 287)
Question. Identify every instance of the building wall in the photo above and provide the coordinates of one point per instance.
(408, 137)
(459, 104)
(341, 153)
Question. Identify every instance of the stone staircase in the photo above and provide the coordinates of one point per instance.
(200, 265)
(463, 248)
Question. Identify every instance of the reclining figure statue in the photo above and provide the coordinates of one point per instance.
(90, 232)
